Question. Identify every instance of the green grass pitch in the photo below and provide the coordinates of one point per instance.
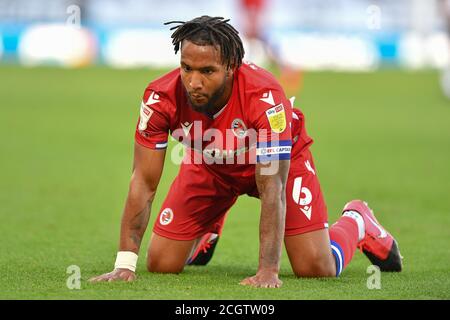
(66, 141)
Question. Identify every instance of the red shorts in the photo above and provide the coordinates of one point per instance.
(194, 207)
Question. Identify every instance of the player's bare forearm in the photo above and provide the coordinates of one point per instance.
(272, 190)
(147, 170)
(271, 228)
(136, 215)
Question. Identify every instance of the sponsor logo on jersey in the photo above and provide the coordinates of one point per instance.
(216, 153)
(166, 217)
(302, 196)
(277, 118)
(238, 127)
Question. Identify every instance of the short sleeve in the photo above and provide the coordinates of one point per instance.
(271, 115)
(152, 129)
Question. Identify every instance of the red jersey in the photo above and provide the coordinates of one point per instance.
(257, 124)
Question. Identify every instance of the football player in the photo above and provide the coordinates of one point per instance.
(243, 136)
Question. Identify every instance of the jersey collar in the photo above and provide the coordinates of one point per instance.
(219, 112)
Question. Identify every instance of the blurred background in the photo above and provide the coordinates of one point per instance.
(307, 34)
(371, 78)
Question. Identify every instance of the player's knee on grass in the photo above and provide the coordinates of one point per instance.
(310, 254)
(164, 265)
(317, 267)
(167, 255)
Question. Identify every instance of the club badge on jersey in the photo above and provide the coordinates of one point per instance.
(238, 127)
(277, 118)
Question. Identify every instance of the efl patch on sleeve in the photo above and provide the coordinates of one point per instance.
(145, 115)
(277, 118)
(273, 150)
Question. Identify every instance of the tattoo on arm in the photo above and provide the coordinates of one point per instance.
(133, 229)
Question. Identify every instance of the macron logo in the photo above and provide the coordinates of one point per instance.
(154, 98)
(307, 211)
(268, 98)
(186, 127)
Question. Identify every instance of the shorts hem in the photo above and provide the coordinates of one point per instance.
(313, 227)
(171, 236)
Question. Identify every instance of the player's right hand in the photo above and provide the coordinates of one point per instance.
(115, 275)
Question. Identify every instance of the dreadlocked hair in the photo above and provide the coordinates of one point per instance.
(214, 31)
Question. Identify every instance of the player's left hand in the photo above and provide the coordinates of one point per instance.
(263, 279)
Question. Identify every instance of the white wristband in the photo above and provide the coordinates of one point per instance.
(126, 260)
